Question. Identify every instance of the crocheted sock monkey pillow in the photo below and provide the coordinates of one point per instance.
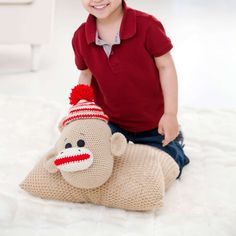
(90, 164)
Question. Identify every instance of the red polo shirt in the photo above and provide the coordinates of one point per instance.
(126, 85)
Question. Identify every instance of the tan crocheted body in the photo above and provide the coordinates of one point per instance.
(139, 180)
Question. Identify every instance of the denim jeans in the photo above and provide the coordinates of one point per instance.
(153, 138)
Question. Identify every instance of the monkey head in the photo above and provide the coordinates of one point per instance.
(85, 152)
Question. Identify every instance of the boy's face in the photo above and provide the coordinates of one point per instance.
(101, 9)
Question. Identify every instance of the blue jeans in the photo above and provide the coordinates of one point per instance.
(153, 138)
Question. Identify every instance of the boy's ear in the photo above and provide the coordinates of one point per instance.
(118, 144)
(48, 161)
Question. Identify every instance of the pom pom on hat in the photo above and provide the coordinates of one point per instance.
(83, 106)
(79, 92)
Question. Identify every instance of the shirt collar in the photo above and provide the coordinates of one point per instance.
(99, 41)
(127, 27)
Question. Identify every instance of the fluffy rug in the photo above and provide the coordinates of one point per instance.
(201, 203)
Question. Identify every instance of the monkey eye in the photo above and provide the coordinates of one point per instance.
(68, 145)
(80, 143)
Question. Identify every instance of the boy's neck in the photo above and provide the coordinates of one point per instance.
(113, 18)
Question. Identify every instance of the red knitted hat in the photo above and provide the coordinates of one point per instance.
(83, 106)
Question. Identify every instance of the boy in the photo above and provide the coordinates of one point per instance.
(124, 54)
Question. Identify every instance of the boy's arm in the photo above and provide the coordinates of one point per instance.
(168, 79)
(85, 77)
(168, 124)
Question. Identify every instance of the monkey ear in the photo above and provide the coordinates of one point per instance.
(48, 161)
(118, 144)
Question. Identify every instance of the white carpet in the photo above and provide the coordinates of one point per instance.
(201, 203)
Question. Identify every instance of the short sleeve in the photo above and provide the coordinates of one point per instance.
(157, 42)
(79, 61)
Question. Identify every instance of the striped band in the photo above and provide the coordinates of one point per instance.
(85, 116)
(85, 109)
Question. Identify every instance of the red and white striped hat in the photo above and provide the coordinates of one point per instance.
(83, 106)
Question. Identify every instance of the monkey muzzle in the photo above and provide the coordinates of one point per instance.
(74, 159)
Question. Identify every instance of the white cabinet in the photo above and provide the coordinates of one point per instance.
(27, 22)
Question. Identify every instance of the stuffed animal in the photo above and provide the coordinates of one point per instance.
(90, 164)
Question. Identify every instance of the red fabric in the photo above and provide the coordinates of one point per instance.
(79, 92)
(126, 85)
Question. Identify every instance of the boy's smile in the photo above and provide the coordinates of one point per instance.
(102, 9)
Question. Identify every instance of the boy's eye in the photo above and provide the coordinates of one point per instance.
(80, 143)
(68, 145)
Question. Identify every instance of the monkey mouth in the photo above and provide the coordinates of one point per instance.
(69, 159)
(73, 163)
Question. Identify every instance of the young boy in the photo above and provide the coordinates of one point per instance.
(124, 54)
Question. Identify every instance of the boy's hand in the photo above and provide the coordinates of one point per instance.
(168, 126)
